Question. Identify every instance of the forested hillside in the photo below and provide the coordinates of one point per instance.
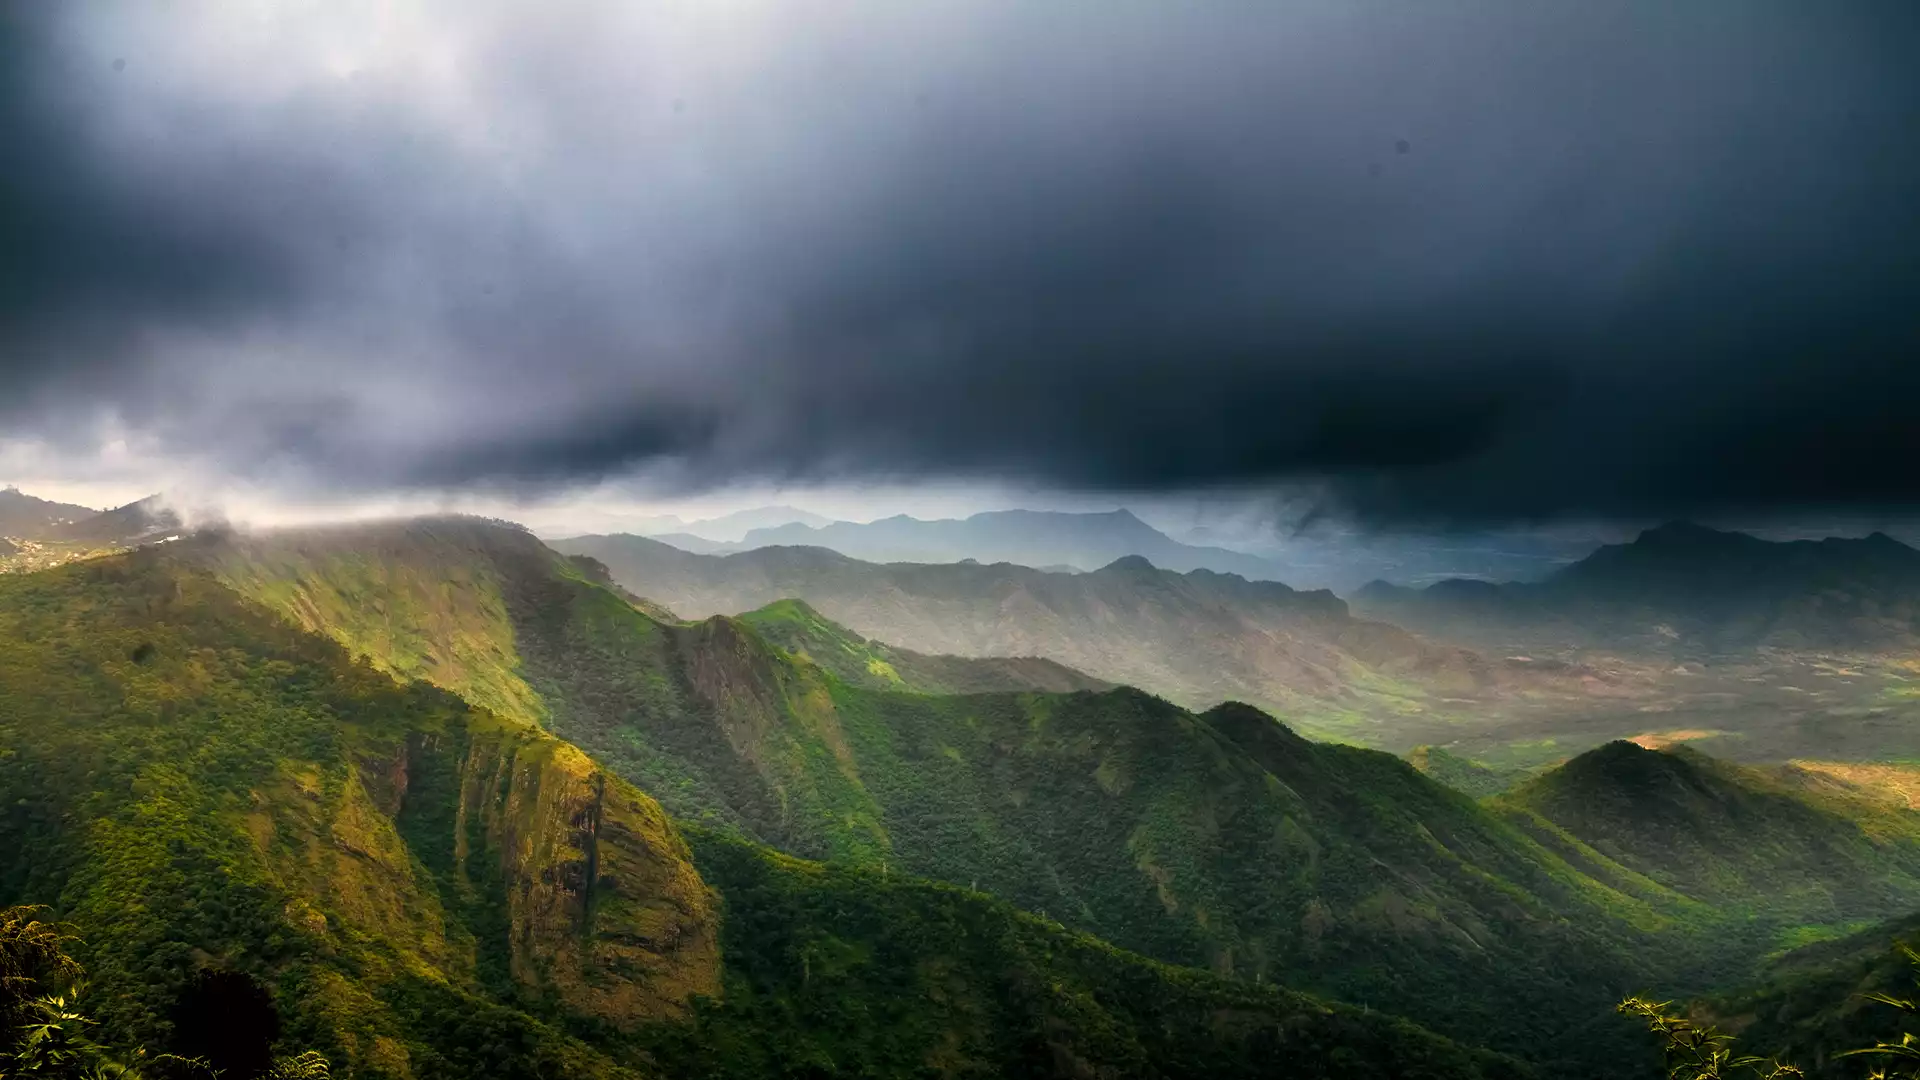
(1220, 840)
(1779, 846)
(428, 889)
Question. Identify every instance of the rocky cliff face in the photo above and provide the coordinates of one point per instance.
(605, 909)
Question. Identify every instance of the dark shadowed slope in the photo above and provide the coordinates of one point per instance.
(1813, 1004)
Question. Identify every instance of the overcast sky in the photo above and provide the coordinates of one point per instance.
(1462, 261)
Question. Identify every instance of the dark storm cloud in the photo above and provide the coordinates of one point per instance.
(1482, 260)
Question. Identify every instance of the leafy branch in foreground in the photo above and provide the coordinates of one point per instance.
(45, 1035)
(32, 952)
(1699, 1052)
(1908, 1048)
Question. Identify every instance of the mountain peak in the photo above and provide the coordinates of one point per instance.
(1689, 535)
(1130, 564)
(1650, 781)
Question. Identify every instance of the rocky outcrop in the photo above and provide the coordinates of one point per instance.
(605, 908)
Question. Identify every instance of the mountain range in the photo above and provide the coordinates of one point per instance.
(1197, 638)
(1219, 839)
(470, 805)
(1685, 588)
(434, 890)
(1088, 541)
(1026, 537)
(728, 528)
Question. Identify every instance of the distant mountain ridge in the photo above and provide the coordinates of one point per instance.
(1198, 638)
(726, 528)
(134, 521)
(31, 518)
(1026, 537)
(1682, 586)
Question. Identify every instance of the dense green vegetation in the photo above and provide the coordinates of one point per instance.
(1772, 850)
(1813, 1004)
(851, 972)
(1220, 840)
(45, 1034)
(1698, 1049)
(1463, 774)
(425, 889)
(800, 631)
(203, 787)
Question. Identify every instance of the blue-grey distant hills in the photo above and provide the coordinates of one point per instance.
(1060, 540)
(1026, 537)
(1684, 587)
(690, 535)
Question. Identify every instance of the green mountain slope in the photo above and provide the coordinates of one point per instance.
(1811, 1005)
(1219, 840)
(803, 632)
(1462, 774)
(1778, 846)
(839, 971)
(430, 890)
